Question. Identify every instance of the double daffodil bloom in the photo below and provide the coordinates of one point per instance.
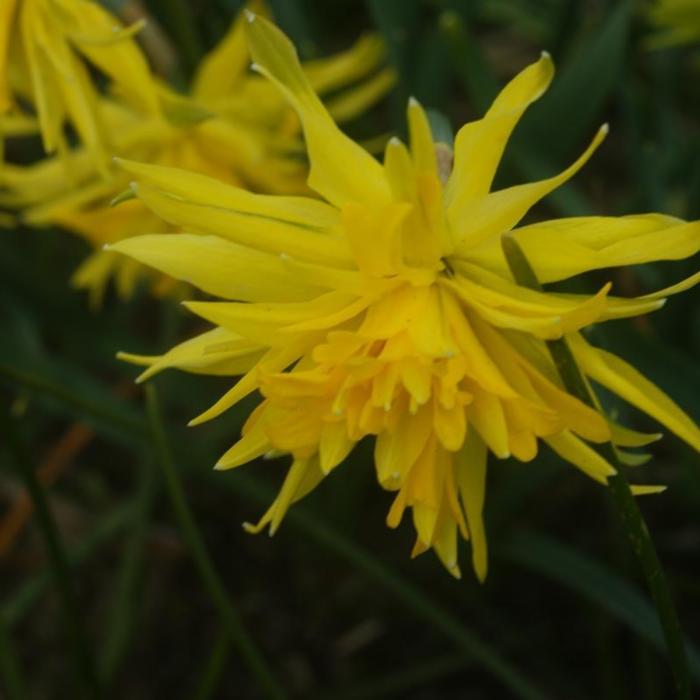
(234, 126)
(387, 309)
(677, 22)
(44, 46)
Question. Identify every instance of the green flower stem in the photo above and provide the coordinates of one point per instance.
(84, 662)
(215, 666)
(195, 543)
(120, 627)
(619, 488)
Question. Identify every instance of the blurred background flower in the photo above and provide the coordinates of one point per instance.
(231, 125)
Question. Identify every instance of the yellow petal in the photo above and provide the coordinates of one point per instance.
(625, 437)
(645, 490)
(353, 102)
(341, 170)
(400, 171)
(7, 30)
(251, 445)
(208, 353)
(562, 248)
(375, 237)
(217, 267)
(334, 445)
(470, 473)
(222, 68)
(263, 234)
(303, 476)
(340, 69)
(625, 381)
(485, 414)
(422, 146)
(578, 453)
(265, 322)
(275, 360)
(122, 60)
(209, 191)
(498, 212)
(479, 145)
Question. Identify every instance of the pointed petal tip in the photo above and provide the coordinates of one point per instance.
(413, 102)
(250, 16)
(545, 56)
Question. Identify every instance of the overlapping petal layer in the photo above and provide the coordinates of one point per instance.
(387, 310)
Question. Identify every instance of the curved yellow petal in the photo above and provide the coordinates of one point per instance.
(624, 380)
(256, 233)
(303, 476)
(224, 66)
(341, 170)
(578, 453)
(209, 353)
(217, 266)
(561, 248)
(496, 213)
(479, 145)
(470, 474)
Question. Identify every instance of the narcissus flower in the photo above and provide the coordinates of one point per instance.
(44, 46)
(677, 22)
(234, 126)
(387, 309)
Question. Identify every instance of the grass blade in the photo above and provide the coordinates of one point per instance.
(121, 619)
(215, 665)
(195, 543)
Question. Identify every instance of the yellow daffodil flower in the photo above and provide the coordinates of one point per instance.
(234, 126)
(387, 309)
(677, 22)
(44, 46)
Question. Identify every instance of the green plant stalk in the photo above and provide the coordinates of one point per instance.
(84, 662)
(215, 665)
(121, 620)
(625, 502)
(195, 543)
